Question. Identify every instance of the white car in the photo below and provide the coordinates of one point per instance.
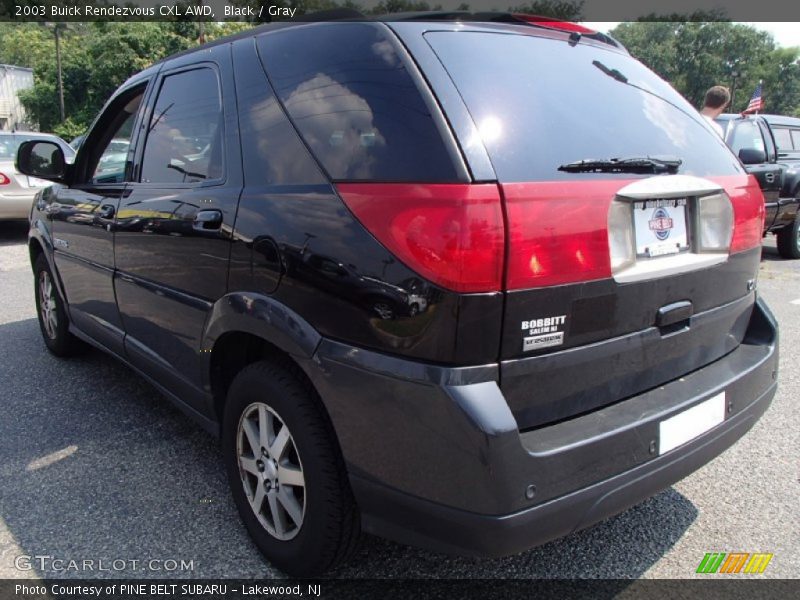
(17, 190)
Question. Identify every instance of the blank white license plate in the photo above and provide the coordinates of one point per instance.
(691, 423)
(660, 227)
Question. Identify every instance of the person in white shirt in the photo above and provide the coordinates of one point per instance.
(716, 101)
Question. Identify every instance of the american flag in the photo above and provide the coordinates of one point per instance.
(756, 102)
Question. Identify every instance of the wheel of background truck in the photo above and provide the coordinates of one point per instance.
(286, 471)
(53, 321)
(789, 240)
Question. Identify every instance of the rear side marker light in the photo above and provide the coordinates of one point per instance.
(4, 180)
(451, 234)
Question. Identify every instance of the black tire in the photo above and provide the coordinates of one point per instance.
(331, 523)
(55, 331)
(789, 240)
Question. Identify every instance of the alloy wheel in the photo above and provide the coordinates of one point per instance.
(47, 304)
(271, 471)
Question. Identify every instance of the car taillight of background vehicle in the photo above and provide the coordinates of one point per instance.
(749, 213)
(4, 180)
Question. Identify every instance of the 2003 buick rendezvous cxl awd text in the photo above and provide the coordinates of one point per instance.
(470, 283)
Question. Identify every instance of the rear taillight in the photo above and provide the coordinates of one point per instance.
(748, 211)
(451, 234)
(4, 180)
(557, 232)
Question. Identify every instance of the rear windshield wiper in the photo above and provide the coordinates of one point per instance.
(624, 165)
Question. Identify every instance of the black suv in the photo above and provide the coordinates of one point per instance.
(769, 146)
(569, 252)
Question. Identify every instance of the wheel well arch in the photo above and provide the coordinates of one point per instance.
(235, 350)
(35, 248)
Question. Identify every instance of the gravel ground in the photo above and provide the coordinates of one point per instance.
(96, 465)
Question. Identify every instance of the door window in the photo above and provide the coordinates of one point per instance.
(109, 164)
(184, 139)
(747, 135)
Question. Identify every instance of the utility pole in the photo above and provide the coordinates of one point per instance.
(57, 28)
(57, 33)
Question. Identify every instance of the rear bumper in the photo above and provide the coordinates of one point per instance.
(16, 206)
(436, 460)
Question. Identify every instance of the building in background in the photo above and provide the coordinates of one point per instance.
(12, 81)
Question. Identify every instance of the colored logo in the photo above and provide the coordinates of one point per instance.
(661, 223)
(734, 562)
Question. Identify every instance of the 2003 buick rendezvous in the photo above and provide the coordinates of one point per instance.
(470, 283)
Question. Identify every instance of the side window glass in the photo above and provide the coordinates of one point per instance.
(350, 94)
(184, 136)
(796, 138)
(109, 165)
(782, 138)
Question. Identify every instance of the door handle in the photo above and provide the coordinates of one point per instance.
(208, 220)
(106, 211)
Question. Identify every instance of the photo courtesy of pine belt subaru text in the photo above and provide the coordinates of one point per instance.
(417, 281)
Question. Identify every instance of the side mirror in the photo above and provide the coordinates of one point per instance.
(42, 159)
(752, 156)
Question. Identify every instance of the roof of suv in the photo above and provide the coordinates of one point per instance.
(575, 31)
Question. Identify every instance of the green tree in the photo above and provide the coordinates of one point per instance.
(567, 10)
(96, 59)
(694, 55)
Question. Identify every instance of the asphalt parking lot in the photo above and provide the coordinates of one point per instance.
(95, 465)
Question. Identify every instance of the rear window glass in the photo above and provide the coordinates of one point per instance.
(349, 93)
(541, 103)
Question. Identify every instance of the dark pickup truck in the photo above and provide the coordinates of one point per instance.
(769, 146)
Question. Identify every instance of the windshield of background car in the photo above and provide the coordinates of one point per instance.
(540, 103)
(9, 144)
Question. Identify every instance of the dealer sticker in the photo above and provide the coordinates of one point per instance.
(537, 342)
(543, 332)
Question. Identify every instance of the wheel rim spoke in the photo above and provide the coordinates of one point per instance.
(290, 505)
(258, 498)
(280, 443)
(291, 476)
(249, 465)
(278, 518)
(251, 432)
(265, 425)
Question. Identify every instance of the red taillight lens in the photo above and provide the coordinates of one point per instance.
(451, 234)
(4, 180)
(558, 232)
(748, 215)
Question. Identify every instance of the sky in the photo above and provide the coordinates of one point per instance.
(785, 34)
